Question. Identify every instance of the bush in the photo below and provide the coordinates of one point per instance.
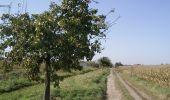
(117, 64)
(93, 64)
(105, 62)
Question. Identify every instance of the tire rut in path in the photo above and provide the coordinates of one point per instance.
(133, 91)
(112, 92)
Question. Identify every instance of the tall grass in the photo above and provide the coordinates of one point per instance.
(11, 85)
(83, 86)
(89, 86)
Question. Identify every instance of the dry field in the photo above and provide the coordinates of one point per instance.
(155, 73)
(151, 79)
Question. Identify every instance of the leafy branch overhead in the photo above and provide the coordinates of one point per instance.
(59, 37)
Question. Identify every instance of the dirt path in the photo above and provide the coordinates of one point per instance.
(133, 91)
(112, 92)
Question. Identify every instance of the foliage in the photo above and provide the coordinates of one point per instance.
(105, 62)
(65, 74)
(1, 58)
(94, 64)
(59, 37)
(89, 85)
(118, 64)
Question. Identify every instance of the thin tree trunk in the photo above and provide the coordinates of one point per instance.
(47, 81)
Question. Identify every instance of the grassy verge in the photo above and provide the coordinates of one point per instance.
(11, 85)
(15, 81)
(87, 86)
(28, 93)
(151, 88)
(65, 74)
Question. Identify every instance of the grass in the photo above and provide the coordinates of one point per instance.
(158, 92)
(65, 74)
(87, 86)
(14, 81)
(28, 93)
(14, 84)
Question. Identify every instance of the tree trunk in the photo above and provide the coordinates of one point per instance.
(47, 81)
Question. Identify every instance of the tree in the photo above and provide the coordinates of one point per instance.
(105, 62)
(59, 37)
(117, 64)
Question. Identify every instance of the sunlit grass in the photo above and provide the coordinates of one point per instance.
(83, 86)
(87, 86)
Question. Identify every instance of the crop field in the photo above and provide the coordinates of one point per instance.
(58, 50)
(158, 74)
(87, 84)
(154, 79)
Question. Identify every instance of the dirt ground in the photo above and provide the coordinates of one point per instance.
(114, 94)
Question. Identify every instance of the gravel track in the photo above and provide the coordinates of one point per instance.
(112, 92)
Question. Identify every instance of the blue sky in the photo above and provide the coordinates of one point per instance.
(141, 35)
